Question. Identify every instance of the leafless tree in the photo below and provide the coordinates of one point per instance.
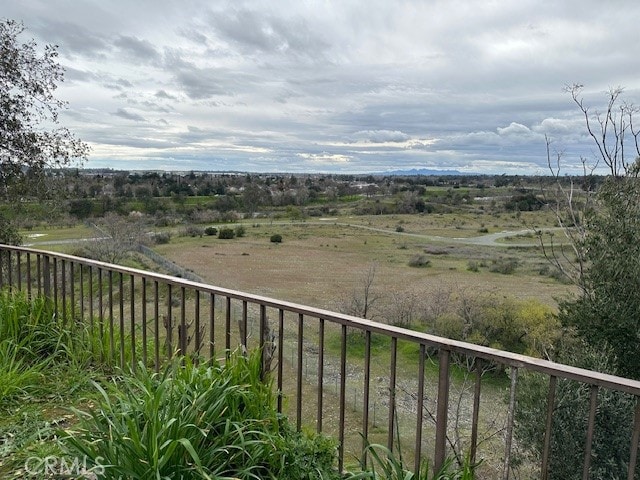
(402, 307)
(610, 129)
(362, 300)
(117, 237)
(615, 135)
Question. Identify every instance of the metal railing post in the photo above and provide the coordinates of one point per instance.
(46, 273)
(444, 357)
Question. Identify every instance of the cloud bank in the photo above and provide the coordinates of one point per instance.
(358, 86)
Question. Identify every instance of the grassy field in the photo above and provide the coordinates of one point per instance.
(321, 261)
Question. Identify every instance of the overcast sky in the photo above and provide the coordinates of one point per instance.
(335, 86)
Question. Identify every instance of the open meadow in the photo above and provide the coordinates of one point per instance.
(320, 261)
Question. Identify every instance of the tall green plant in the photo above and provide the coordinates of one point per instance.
(17, 376)
(190, 421)
(385, 465)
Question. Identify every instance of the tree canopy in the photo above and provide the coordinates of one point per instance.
(31, 140)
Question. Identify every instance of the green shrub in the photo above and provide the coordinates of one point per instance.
(240, 231)
(276, 238)
(505, 266)
(226, 233)
(473, 266)
(192, 231)
(210, 231)
(207, 421)
(613, 422)
(399, 229)
(419, 261)
(162, 238)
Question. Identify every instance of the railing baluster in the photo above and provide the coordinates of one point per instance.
(182, 331)
(227, 327)
(101, 314)
(280, 355)
(243, 327)
(112, 347)
(46, 274)
(198, 340)
(91, 309)
(212, 328)
(366, 390)
(9, 270)
(419, 410)
(263, 339)
(393, 370)
(39, 273)
(476, 410)
(444, 357)
(55, 286)
(546, 449)
(145, 347)
(29, 291)
(81, 269)
(342, 399)
(19, 270)
(63, 275)
(509, 430)
(593, 404)
(132, 305)
(299, 372)
(156, 325)
(169, 320)
(72, 297)
(320, 374)
(121, 319)
(635, 438)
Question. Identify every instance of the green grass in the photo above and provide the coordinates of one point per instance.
(56, 234)
(207, 421)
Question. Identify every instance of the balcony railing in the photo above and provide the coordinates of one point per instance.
(336, 373)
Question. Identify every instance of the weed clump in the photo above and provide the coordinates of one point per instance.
(419, 261)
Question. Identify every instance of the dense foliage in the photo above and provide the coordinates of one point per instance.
(607, 314)
(613, 421)
(28, 80)
(30, 140)
(190, 421)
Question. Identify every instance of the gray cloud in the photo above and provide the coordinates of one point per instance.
(251, 30)
(128, 115)
(137, 49)
(164, 95)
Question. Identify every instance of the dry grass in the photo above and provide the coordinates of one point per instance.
(319, 264)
